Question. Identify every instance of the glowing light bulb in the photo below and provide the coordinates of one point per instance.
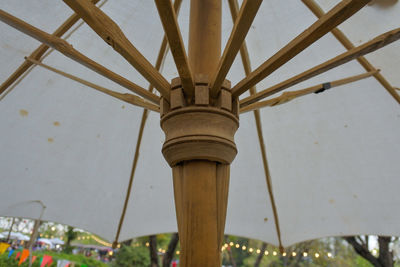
(251, 250)
(284, 254)
(305, 254)
(258, 251)
(266, 252)
(274, 253)
(244, 248)
(178, 252)
(294, 254)
(237, 246)
(316, 255)
(147, 244)
(329, 255)
(231, 244)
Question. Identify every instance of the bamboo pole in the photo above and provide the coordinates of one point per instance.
(160, 59)
(368, 47)
(201, 186)
(241, 26)
(128, 98)
(325, 24)
(67, 49)
(39, 52)
(289, 96)
(234, 7)
(204, 36)
(110, 32)
(341, 37)
(172, 31)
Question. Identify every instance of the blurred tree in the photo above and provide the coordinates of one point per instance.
(169, 254)
(129, 256)
(153, 251)
(361, 246)
(69, 236)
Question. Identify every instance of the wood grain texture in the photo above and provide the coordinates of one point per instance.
(197, 132)
(342, 38)
(110, 32)
(241, 26)
(38, 52)
(172, 31)
(204, 36)
(128, 98)
(65, 48)
(201, 191)
(368, 47)
(325, 24)
(288, 96)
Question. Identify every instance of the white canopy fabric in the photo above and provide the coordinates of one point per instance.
(333, 157)
(15, 235)
(57, 241)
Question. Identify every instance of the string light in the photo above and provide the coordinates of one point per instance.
(284, 254)
(147, 244)
(316, 255)
(231, 244)
(250, 250)
(104, 243)
(305, 254)
(178, 252)
(294, 254)
(244, 248)
(258, 251)
(329, 255)
(274, 253)
(266, 252)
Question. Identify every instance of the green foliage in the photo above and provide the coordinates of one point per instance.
(129, 256)
(78, 259)
(69, 236)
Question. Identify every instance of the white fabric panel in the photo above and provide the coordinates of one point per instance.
(332, 156)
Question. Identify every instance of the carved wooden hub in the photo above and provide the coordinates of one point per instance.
(199, 127)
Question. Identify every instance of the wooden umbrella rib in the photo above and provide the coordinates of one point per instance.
(110, 32)
(241, 26)
(67, 49)
(325, 24)
(341, 37)
(38, 52)
(160, 58)
(288, 96)
(129, 98)
(172, 31)
(368, 47)
(234, 7)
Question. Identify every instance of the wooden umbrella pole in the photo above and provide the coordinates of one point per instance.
(199, 143)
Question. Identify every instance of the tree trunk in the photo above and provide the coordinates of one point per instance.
(153, 251)
(385, 255)
(260, 256)
(169, 255)
(385, 258)
(9, 232)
